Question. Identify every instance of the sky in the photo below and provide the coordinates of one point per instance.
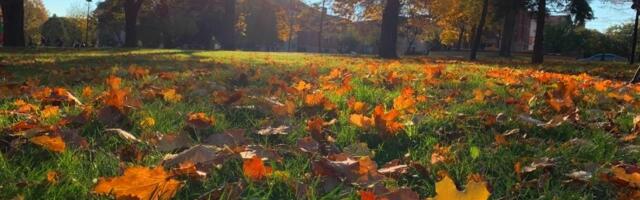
(606, 14)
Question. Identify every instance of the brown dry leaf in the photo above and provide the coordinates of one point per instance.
(280, 130)
(171, 142)
(230, 138)
(254, 169)
(188, 168)
(199, 155)
(440, 154)
(123, 134)
(200, 121)
(51, 143)
(286, 109)
(541, 163)
(308, 144)
(476, 189)
(140, 183)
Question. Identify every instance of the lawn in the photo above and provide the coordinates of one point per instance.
(195, 124)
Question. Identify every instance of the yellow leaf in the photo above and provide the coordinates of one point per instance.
(475, 190)
(147, 122)
(170, 95)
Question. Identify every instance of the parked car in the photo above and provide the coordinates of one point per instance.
(604, 57)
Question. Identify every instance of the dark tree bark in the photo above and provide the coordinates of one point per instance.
(324, 11)
(164, 12)
(538, 46)
(389, 32)
(479, 30)
(460, 38)
(227, 36)
(131, 10)
(13, 22)
(508, 30)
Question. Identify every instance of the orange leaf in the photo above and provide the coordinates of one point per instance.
(140, 183)
(302, 86)
(200, 120)
(113, 82)
(361, 121)
(50, 111)
(51, 143)
(52, 177)
(366, 195)
(254, 168)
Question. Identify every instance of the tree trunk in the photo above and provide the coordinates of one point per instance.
(634, 41)
(227, 39)
(508, 30)
(478, 35)
(460, 38)
(538, 46)
(131, 9)
(323, 10)
(389, 32)
(13, 23)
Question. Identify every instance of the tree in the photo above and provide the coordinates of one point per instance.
(13, 22)
(227, 35)
(61, 31)
(507, 11)
(131, 10)
(579, 9)
(35, 15)
(538, 45)
(454, 18)
(479, 31)
(389, 30)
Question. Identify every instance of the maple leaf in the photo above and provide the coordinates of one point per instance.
(170, 95)
(254, 168)
(140, 183)
(406, 101)
(385, 122)
(51, 143)
(113, 82)
(476, 189)
(314, 99)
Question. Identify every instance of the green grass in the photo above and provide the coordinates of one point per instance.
(448, 118)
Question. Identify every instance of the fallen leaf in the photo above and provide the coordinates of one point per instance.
(280, 130)
(254, 168)
(140, 183)
(123, 134)
(51, 143)
(476, 189)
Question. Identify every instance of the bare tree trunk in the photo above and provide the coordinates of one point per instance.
(131, 9)
(538, 46)
(508, 30)
(389, 32)
(227, 40)
(478, 35)
(13, 22)
(323, 10)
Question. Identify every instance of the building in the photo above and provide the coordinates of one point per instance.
(525, 30)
